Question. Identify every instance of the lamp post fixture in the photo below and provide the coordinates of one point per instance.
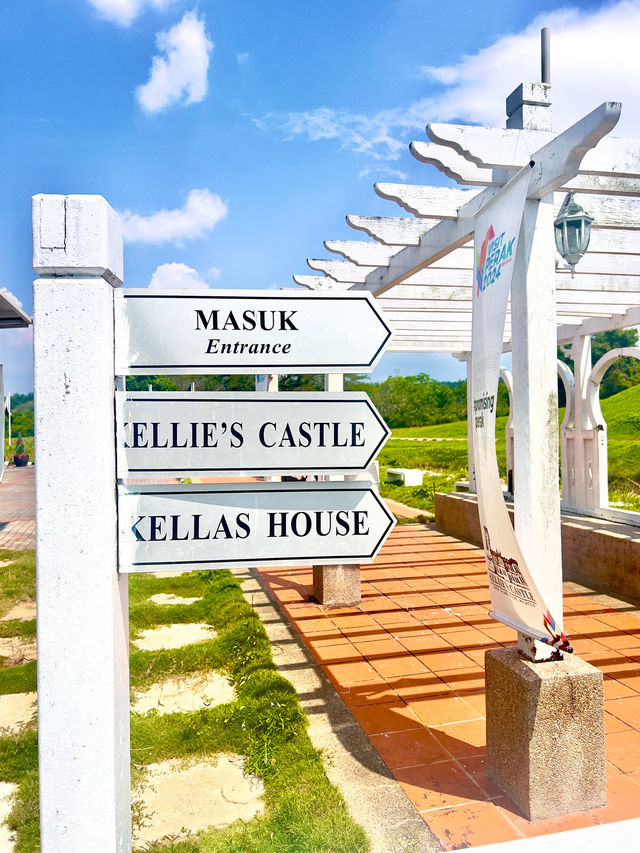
(572, 228)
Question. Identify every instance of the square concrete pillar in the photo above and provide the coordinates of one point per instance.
(545, 733)
(337, 586)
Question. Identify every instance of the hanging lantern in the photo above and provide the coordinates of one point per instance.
(572, 230)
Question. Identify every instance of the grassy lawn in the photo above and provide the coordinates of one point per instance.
(447, 460)
(303, 812)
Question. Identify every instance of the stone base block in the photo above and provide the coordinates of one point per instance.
(545, 733)
(337, 586)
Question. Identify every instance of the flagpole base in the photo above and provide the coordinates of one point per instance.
(545, 733)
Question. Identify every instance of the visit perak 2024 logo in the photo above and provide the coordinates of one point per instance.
(495, 253)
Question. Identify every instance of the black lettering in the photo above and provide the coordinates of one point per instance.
(194, 435)
(294, 523)
(242, 520)
(319, 530)
(286, 348)
(213, 319)
(213, 345)
(248, 321)
(263, 320)
(174, 435)
(196, 528)
(222, 528)
(136, 532)
(237, 439)
(156, 528)
(359, 519)
(342, 523)
(281, 523)
(154, 437)
(138, 435)
(285, 321)
(175, 520)
(336, 436)
(321, 426)
(230, 323)
(261, 434)
(207, 437)
(304, 430)
(356, 435)
(288, 437)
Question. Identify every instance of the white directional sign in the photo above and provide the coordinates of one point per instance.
(188, 331)
(180, 434)
(266, 524)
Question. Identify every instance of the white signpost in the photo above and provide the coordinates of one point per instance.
(244, 525)
(247, 332)
(88, 336)
(202, 433)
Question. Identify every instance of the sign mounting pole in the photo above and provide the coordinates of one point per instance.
(83, 675)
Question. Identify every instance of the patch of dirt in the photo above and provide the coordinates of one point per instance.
(24, 610)
(185, 694)
(169, 598)
(7, 839)
(167, 574)
(17, 650)
(180, 797)
(173, 636)
(16, 709)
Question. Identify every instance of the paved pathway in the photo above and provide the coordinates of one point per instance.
(17, 508)
(409, 663)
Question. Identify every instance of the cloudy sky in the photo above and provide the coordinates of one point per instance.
(233, 138)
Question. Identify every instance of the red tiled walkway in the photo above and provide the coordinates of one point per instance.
(17, 508)
(409, 663)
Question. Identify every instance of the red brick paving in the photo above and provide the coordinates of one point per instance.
(17, 508)
(409, 663)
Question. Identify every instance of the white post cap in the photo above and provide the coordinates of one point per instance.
(77, 235)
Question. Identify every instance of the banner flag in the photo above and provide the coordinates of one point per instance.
(515, 598)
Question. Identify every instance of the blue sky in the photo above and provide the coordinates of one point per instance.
(234, 138)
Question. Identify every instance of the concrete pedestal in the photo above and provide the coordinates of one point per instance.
(545, 733)
(337, 586)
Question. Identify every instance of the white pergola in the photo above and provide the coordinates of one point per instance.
(420, 266)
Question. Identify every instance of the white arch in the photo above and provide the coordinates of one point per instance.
(595, 378)
(569, 383)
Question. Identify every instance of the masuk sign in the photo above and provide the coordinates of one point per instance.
(173, 434)
(247, 332)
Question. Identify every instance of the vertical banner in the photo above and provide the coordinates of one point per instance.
(515, 598)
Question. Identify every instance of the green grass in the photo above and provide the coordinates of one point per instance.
(303, 813)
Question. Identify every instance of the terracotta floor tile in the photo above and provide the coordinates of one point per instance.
(623, 750)
(408, 748)
(392, 667)
(613, 724)
(324, 638)
(394, 618)
(433, 786)
(478, 656)
(427, 642)
(362, 634)
(463, 740)
(620, 620)
(438, 710)
(463, 680)
(334, 652)
(623, 800)
(313, 624)
(467, 638)
(501, 633)
(471, 825)
(390, 717)
(477, 701)
(368, 693)
(616, 689)
(476, 767)
(383, 647)
(446, 660)
(418, 686)
(627, 710)
(346, 674)
(359, 621)
(543, 827)
(582, 645)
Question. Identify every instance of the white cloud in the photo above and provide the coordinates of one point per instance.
(381, 169)
(242, 58)
(179, 74)
(168, 276)
(201, 212)
(125, 11)
(593, 59)
(214, 273)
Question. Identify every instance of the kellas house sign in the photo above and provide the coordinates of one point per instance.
(244, 525)
(247, 332)
(180, 434)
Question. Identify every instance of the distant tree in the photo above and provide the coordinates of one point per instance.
(160, 383)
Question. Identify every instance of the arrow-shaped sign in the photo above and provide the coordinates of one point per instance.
(267, 524)
(187, 331)
(184, 434)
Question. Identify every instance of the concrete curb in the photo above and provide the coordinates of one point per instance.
(374, 799)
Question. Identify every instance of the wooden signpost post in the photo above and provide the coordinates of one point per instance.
(93, 529)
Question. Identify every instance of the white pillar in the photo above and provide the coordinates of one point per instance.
(470, 456)
(583, 456)
(83, 636)
(535, 397)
